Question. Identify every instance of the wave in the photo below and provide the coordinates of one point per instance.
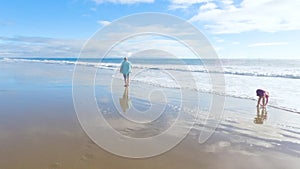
(290, 73)
(156, 78)
(210, 91)
(285, 109)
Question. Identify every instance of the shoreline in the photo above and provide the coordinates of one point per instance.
(278, 100)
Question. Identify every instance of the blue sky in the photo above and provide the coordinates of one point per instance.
(236, 28)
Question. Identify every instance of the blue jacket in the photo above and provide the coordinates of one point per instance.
(126, 67)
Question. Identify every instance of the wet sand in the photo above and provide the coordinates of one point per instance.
(40, 129)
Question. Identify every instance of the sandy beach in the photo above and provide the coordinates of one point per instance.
(150, 84)
(40, 129)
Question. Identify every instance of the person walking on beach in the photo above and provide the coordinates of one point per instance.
(262, 95)
(125, 69)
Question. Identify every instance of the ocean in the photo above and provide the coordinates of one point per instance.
(281, 78)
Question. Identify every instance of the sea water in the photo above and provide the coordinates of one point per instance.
(281, 78)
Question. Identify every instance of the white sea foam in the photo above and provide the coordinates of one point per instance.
(241, 79)
(257, 71)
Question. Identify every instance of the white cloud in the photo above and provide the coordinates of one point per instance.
(183, 4)
(86, 15)
(8, 23)
(187, 1)
(24, 46)
(104, 23)
(208, 6)
(219, 40)
(93, 9)
(267, 44)
(249, 15)
(123, 1)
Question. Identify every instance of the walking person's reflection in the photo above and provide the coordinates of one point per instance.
(125, 102)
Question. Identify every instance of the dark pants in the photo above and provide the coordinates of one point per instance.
(126, 76)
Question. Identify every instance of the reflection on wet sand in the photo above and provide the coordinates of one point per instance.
(261, 115)
(125, 102)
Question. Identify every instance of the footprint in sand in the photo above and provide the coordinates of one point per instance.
(89, 144)
(55, 165)
(87, 156)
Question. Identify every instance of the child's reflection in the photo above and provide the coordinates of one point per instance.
(125, 102)
(261, 115)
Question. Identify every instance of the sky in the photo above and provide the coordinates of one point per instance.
(264, 29)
